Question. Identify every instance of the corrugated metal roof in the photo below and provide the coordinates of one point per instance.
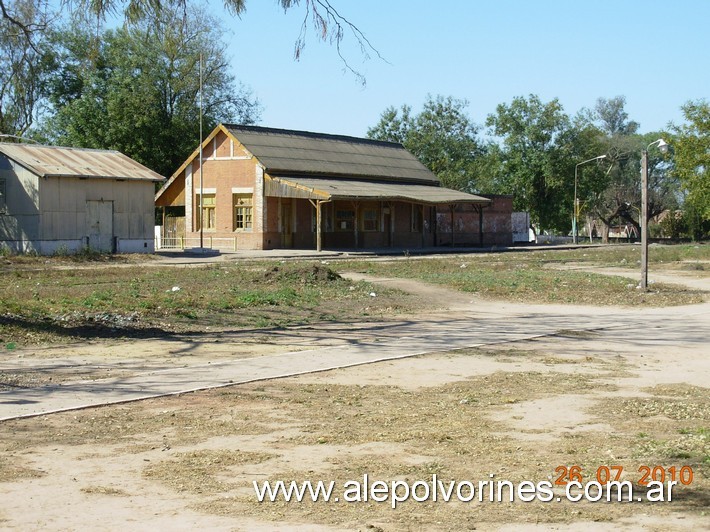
(53, 161)
(300, 152)
(338, 189)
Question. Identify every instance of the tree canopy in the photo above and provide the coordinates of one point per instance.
(327, 23)
(23, 69)
(137, 88)
(441, 136)
(692, 156)
(535, 157)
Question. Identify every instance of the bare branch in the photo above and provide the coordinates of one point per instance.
(330, 26)
(27, 29)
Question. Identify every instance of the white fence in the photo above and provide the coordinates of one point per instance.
(208, 242)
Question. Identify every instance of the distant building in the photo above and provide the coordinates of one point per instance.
(269, 188)
(54, 199)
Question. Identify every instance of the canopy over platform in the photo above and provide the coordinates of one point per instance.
(347, 189)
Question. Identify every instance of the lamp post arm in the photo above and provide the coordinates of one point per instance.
(575, 208)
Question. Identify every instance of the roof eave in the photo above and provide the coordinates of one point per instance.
(281, 173)
(94, 176)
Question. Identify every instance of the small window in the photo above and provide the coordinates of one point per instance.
(3, 195)
(243, 211)
(344, 220)
(370, 219)
(209, 204)
(416, 218)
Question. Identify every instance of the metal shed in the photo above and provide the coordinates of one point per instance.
(65, 199)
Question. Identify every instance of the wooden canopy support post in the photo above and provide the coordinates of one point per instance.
(453, 231)
(355, 222)
(434, 213)
(319, 222)
(421, 227)
(319, 225)
(480, 225)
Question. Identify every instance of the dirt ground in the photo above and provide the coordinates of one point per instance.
(519, 411)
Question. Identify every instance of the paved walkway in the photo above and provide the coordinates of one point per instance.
(368, 343)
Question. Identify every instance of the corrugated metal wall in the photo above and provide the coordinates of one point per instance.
(63, 206)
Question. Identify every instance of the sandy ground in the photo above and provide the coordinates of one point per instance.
(105, 469)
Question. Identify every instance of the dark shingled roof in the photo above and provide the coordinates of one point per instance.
(289, 152)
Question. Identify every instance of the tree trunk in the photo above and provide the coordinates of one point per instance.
(605, 231)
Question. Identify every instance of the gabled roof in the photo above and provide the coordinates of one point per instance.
(53, 161)
(286, 152)
(321, 166)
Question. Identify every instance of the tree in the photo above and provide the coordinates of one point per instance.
(14, 18)
(23, 67)
(537, 152)
(441, 136)
(611, 117)
(618, 198)
(620, 201)
(692, 161)
(137, 89)
(327, 22)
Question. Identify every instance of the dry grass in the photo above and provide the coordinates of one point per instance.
(528, 279)
(198, 471)
(59, 304)
(216, 442)
(105, 490)
(48, 300)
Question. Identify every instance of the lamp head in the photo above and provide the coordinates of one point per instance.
(662, 145)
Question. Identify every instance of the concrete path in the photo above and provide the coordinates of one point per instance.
(466, 325)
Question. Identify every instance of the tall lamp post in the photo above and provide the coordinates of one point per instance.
(663, 146)
(575, 208)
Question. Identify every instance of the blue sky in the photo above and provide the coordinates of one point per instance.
(655, 53)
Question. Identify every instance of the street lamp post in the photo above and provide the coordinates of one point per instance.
(575, 208)
(643, 222)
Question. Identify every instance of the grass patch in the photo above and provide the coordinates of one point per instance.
(47, 300)
(108, 301)
(629, 255)
(199, 471)
(524, 278)
(105, 490)
(11, 470)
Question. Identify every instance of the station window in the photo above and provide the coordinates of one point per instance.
(370, 219)
(243, 211)
(209, 204)
(344, 220)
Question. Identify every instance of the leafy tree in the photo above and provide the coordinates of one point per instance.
(537, 154)
(23, 67)
(617, 199)
(620, 201)
(137, 89)
(441, 136)
(610, 116)
(692, 161)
